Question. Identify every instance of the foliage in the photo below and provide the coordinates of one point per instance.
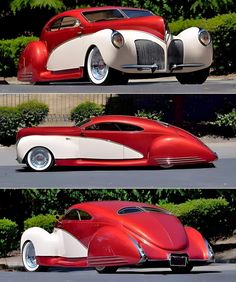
(33, 113)
(10, 120)
(17, 5)
(150, 115)
(223, 33)
(8, 236)
(212, 217)
(227, 120)
(10, 51)
(46, 222)
(86, 110)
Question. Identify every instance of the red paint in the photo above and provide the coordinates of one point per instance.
(109, 236)
(157, 142)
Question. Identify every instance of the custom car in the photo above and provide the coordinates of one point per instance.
(112, 234)
(111, 140)
(109, 45)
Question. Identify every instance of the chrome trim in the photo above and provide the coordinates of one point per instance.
(141, 252)
(153, 67)
(174, 67)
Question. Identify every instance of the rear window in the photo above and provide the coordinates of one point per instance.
(103, 15)
(128, 210)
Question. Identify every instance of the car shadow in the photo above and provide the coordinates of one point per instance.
(120, 168)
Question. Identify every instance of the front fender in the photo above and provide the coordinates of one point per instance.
(194, 51)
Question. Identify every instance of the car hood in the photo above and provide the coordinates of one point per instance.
(66, 130)
(162, 230)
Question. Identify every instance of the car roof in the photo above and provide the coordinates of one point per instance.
(112, 206)
(139, 121)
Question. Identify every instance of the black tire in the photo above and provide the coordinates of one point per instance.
(39, 159)
(29, 258)
(197, 77)
(182, 269)
(101, 74)
(107, 269)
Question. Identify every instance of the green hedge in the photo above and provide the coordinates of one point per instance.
(212, 217)
(86, 110)
(223, 33)
(8, 236)
(24, 115)
(46, 222)
(10, 51)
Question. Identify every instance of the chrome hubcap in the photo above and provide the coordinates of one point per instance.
(39, 158)
(30, 258)
(98, 67)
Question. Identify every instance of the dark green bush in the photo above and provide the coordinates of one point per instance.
(10, 51)
(33, 113)
(46, 222)
(8, 236)
(212, 217)
(10, 120)
(85, 110)
(223, 32)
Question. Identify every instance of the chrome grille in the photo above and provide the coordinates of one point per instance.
(149, 53)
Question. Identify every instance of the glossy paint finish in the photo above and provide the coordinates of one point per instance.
(110, 238)
(62, 54)
(144, 142)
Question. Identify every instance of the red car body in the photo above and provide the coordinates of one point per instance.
(117, 141)
(119, 233)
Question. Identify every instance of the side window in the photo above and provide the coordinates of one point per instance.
(84, 215)
(55, 25)
(72, 215)
(68, 22)
(106, 126)
(129, 127)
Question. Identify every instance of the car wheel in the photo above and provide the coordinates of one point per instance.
(197, 77)
(29, 258)
(101, 74)
(39, 159)
(106, 269)
(185, 269)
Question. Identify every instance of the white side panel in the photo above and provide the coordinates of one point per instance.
(67, 147)
(71, 54)
(58, 243)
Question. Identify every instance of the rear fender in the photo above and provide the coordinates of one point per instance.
(118, 248)
(32, 61)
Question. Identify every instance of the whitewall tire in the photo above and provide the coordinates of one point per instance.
(29, 257)
(39, 159)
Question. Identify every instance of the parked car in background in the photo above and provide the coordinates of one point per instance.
(111, 234)
(109, 45)
(111, 140)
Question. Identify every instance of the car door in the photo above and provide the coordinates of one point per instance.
(62, 30)
(79, 224)
(114, 140)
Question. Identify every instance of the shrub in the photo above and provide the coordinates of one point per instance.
(10, 51)
(150, 115)
(223, 32)
(212, 217)
(33, 112)
(86, 110)
(8, 236)
(10, 120)
(46, 222)
(226, 121)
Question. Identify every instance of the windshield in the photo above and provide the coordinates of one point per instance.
(137, 13)
(79, 124)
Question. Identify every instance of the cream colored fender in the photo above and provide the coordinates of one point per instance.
(59, 243)
(72, 54)
(72, 147)
(194, 51)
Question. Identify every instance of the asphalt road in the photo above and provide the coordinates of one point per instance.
(13, 175)
(157, 86)
(211, 273)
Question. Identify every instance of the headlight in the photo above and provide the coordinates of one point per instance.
(204, 37)
(117, 39)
